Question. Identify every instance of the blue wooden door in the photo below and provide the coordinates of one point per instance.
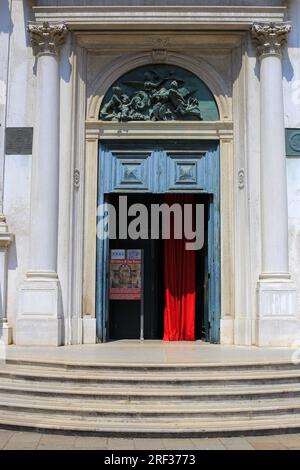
(177, 167)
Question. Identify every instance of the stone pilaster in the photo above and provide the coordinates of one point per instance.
(6, 238)
(39, 319)
(278, 316)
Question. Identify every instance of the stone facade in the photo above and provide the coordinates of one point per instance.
(58, 64)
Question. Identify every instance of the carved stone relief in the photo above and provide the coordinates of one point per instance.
(158, 93)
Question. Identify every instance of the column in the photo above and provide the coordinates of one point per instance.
(278, 309)
(39, 319)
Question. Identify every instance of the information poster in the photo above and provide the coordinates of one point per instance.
(125, 279)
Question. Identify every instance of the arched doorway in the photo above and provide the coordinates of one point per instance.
(148, 170)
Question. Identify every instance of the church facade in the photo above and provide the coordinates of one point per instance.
(105, 99)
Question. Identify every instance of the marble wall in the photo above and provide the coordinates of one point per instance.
(17, 168)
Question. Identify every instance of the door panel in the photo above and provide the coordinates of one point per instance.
(132, 171)
(184, 171)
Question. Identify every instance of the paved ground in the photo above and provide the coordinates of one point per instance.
(10, 440)
(150, 352)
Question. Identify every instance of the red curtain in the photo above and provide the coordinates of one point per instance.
(179, 283)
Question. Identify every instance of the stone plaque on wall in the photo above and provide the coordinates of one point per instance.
(292, 142)
(18, 140)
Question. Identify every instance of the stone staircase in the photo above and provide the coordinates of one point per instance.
(150, 401)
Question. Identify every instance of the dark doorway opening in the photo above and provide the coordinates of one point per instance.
(124, 315)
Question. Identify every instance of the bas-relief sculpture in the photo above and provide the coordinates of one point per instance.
(160, 93)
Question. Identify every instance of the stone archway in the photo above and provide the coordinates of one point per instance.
(199, 67)
(220, 130)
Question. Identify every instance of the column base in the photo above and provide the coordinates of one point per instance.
(39, 320)
(278, 321)
(80, 330)
(226, 329)
(6, 334)
(243, 331)
(89, 330)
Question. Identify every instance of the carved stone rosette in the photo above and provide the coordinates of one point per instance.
(47, 38)
(270, 38)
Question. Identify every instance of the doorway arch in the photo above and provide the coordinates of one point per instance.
(222, 131)
(119, 67)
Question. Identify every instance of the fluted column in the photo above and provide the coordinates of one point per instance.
(40, 313)
(46, 41)
(271, 39)
(278, 316)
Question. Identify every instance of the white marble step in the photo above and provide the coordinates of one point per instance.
(116, 367)
(170, 427)
(157, 402)
(186, 377)
(182, 409)
(145, 392)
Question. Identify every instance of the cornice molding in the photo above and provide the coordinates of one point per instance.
(270, 38)
(47, 38)
(153, 130)
(170, 17)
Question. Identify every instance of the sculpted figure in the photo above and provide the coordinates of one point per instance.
(140, 101)
(109, 109)
(193, 108)
(181, 105)
(139, 106)
(117, 108)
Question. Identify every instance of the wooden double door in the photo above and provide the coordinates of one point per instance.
(145, 173)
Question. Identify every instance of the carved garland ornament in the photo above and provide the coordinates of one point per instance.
(47, 38)
(270, 38)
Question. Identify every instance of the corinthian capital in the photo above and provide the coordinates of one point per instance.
(47, 38)
(270, 38)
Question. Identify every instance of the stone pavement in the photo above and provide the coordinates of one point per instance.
(10, 440)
